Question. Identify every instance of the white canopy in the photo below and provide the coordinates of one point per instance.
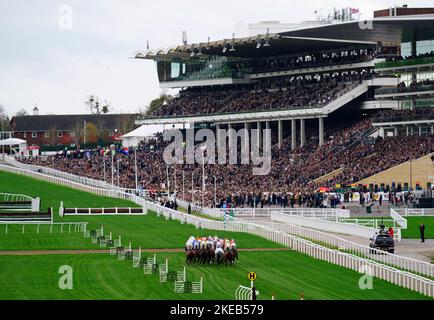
(133, 138)
(12, 142)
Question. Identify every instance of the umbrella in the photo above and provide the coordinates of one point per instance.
(323, 189)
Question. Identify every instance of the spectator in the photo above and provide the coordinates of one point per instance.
(422, 232)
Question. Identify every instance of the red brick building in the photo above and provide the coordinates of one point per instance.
(71, 129)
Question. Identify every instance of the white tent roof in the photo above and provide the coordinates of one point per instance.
(143, 131)
(12, 142)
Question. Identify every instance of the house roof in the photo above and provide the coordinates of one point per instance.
(69, 122)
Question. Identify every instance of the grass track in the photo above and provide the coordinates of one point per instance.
(100, 276)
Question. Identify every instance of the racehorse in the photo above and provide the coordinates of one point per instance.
(190, 256)
(235, 253)
(219, 257)
(229, 257)
(210, 254)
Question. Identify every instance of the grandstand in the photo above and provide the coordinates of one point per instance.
(344, 102)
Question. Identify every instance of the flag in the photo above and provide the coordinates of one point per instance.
(354, 10)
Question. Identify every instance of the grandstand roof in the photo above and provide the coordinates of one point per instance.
(326, 37)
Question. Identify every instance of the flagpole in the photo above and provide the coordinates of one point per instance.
(135, 168)
(112, 168)
(192, 188)
(183, 196)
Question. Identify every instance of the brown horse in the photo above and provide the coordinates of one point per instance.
(190, 256)
(235, 253)
(229, 257)
(219, 257)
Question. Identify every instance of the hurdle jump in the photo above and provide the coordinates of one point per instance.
(150, 266)
(97, 235)
(125, 254)
(187, 286)
(137, 258)
(71, 226)
(174, 276)
(101, 211)
(117, 244)
(19, 202)
(245, 293)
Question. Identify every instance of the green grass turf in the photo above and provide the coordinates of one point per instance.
(413, 223)
(147, 231)
(100, 276)
(51, 194)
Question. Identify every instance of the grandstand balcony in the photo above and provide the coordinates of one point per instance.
(405, 92)
(408, 65)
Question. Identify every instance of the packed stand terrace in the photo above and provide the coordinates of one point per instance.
(292, 171)
(404, 115)
(401, 58)
(309, 61)
(266, 94)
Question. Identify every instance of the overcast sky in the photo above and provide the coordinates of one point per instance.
(56, 53)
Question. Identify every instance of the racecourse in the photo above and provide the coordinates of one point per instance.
(101, 276)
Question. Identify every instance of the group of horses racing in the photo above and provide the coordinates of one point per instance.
(207, 250)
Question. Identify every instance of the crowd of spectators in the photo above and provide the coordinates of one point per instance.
(410, 57)
(310, 61)
(292, 175)
(265, 94)
(404, 115)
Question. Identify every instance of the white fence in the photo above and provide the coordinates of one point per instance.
(100, 211)
(406, 212)
(320, 213)
(15, 197)
(402, 222)
(325, 225)
(400, 262)
(342, 258)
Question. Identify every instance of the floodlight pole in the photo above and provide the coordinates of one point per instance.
(112, 168)
(215, 191)
(183, 181)
(192, 187)
(203, 177)
(167, 177)
(103, 157)
(135, 168)
(117, 161)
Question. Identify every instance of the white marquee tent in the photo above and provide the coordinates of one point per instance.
(12, 143)
(133, 138)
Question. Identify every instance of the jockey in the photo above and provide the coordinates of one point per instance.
(219, 250)
(227, 244)
(233, 244)
(189, 243)
(203, 243)
(218, 245)
(195, 244)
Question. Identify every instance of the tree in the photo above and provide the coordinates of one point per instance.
(126, 123)
(52, 135)
(21, 113)
(78, 130)
(157, 102)
(91, 133)
(4, 120)
(95, 106)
